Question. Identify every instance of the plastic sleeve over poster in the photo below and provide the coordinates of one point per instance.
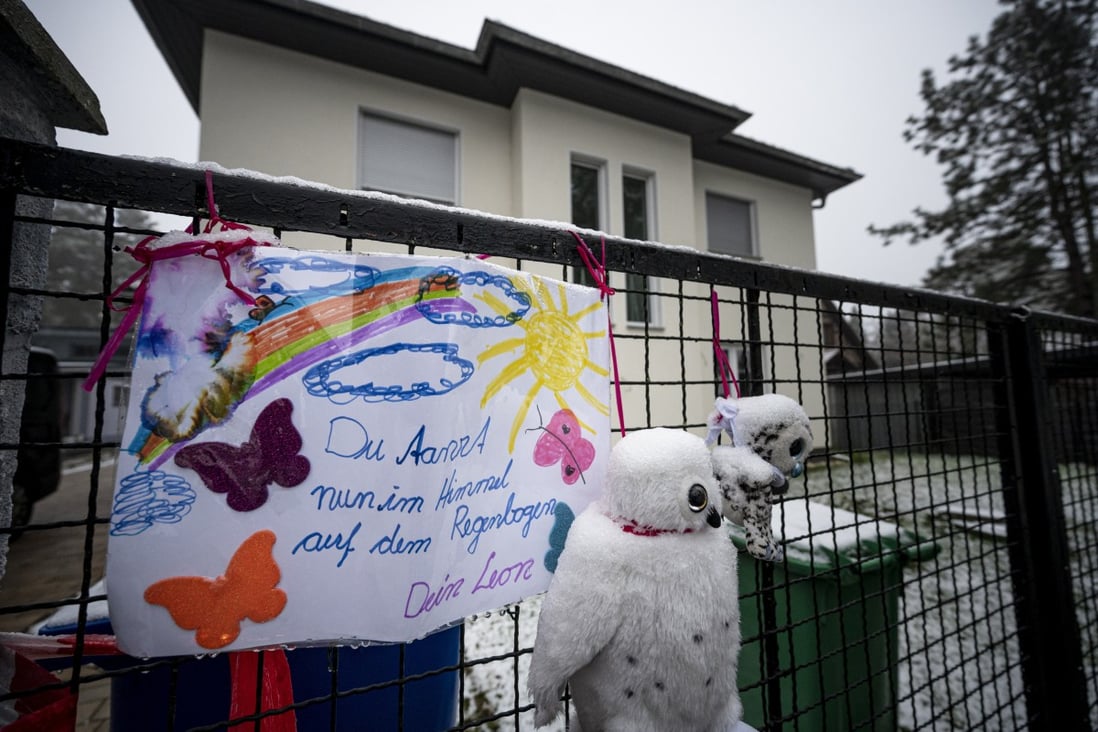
(377, 447)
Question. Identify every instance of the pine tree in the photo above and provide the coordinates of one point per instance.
(1016, 129)
(76, 261)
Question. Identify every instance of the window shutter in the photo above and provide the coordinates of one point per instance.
(729, 223)
(407, 159)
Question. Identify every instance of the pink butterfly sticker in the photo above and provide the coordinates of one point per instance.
(271, 455)
(564, 442)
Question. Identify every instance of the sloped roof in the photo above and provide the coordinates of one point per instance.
(503, 61)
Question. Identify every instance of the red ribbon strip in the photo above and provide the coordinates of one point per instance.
(632, 527)
(42, 711)
(277, 691)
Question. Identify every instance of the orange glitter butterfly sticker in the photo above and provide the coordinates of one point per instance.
(214, 608)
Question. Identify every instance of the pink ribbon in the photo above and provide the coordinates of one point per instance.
(723, 367)
(599, 274)
(217, 250)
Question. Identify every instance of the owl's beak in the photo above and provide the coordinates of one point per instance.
(779, 485)
(713, 517)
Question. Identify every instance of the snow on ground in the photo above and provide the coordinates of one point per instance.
(490, 687)
(958, 648)
(958, 657)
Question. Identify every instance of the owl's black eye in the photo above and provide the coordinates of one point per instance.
(796, 447)
(698, 498)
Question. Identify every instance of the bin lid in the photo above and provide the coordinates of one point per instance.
(818, 538)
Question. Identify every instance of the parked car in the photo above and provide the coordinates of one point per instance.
(38, 471)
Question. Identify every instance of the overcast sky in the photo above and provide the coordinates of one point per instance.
(830, 79)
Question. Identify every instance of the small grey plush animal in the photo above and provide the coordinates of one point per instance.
(641, 617)
(746, 482)
(775, 429)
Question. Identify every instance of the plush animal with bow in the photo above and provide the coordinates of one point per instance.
(641, 617)
(774, 428)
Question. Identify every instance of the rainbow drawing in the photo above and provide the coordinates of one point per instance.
(306, 328)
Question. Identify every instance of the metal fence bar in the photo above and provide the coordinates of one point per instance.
(1052, 667)
(129, 183)
(769, 627)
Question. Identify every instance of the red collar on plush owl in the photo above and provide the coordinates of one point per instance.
(630, 526)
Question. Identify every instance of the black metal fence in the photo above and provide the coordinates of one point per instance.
(939, 569)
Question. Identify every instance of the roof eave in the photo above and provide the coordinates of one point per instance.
(752, 156)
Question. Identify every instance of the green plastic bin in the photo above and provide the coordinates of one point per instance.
(836, 601)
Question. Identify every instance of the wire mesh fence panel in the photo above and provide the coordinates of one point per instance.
(919, 588)
(1068, 355)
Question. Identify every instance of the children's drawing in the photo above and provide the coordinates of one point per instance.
(562, 443)
(554, 351)
(147, 498)
(215, 608)
(349, 437)
(475, 285)
(563, 518)
(227, 360)
(271, 455)
(382, 374)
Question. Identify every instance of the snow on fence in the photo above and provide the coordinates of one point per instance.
(939, 570)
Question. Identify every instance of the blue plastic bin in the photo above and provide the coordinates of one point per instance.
(201, 687)
(139, 700)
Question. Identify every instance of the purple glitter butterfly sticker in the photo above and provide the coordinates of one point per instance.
(271, 455)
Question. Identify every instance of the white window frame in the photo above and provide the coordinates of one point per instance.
(752, 224)
(733, 350)
(651, 284)
(364, 113)
(119, 395)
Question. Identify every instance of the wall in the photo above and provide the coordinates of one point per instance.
(285, 113)
(783, 213)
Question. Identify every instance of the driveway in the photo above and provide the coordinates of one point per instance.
(48, 565)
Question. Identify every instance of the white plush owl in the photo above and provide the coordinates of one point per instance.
(642, 617)
(776, 429)
(774, 426)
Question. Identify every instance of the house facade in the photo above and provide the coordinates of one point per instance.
(517, 127)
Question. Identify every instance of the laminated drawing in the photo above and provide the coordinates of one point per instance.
(323, 447)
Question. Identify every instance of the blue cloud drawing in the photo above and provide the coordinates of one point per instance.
(465, 310)
(442, 370)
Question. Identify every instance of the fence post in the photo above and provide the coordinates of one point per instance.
(769, 626)
(8, 202)
(1044, 605)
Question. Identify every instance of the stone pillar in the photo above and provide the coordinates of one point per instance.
(39, 91)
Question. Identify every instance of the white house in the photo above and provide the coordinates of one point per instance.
(519, 127)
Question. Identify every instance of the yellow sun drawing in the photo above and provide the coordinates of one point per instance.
(554, 351)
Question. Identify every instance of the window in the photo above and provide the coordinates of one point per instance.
(587, 208)
(731, 225)
(119, 392)
(407, 159)
(637, 208)
(739, 358)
